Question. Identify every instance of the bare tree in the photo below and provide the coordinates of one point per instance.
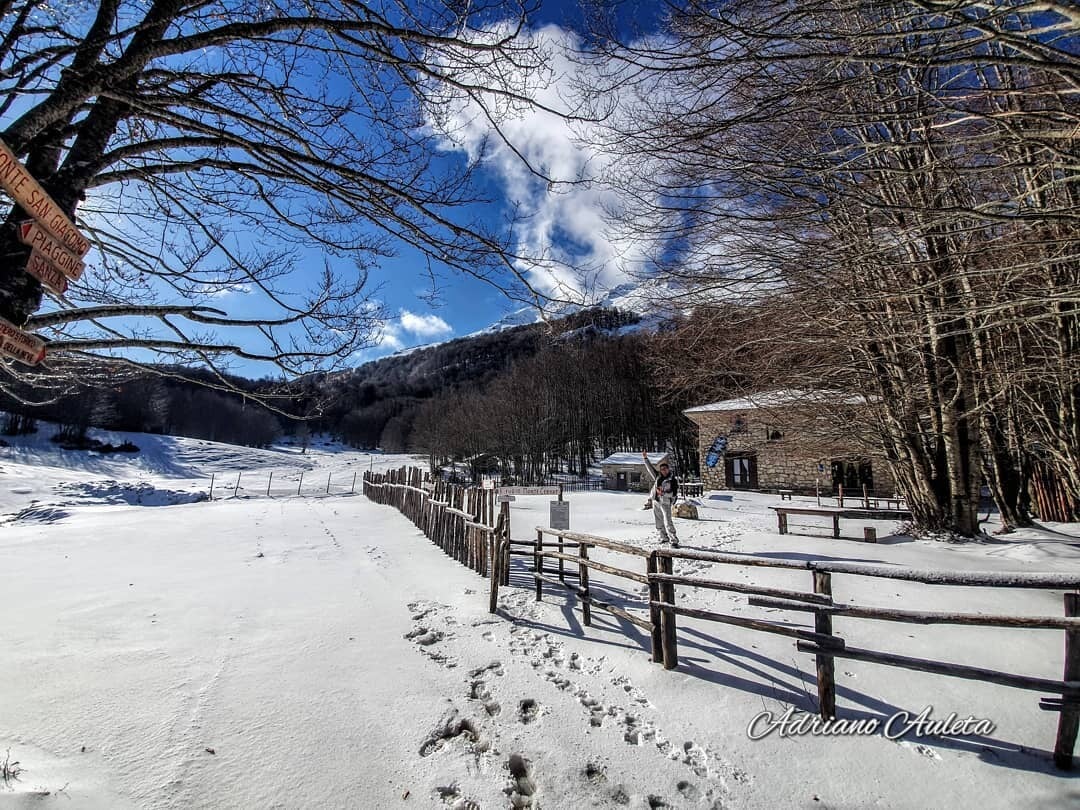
(229, 160)
(889, 193)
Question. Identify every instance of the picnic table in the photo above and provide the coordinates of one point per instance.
(835, 514)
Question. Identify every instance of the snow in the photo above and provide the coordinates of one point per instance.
(633, 458)
(318, 652)
(650, 299)
(36, 474)
(778, 399)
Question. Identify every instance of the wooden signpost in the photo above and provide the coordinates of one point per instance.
(19, 345)
(31, 233)
(56, 249)
(46, 272)
(528, 490)
(32, 198)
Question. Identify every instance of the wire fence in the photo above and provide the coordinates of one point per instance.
(282, 484)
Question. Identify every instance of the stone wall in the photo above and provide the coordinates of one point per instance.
(611, 471)
(794, 447)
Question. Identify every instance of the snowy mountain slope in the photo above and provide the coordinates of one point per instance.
(653, 300)
(39, 479)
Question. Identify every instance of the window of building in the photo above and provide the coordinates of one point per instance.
(635, 478)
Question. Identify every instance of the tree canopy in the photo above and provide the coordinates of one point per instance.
(242, 168)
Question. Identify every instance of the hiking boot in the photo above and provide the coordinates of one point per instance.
(675, 542)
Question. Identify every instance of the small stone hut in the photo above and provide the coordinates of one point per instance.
(625, 472)
(795, 440)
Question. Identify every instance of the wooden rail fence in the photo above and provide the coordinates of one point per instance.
(465, 522)
(467, 526)
(822, 642)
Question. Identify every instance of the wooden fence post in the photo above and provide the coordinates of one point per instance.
(1069, 721)
(269, 481)
(499, 548)
(236, 489)
(493, 568)
(353, 490)
(328, 477)
(301, 482)
(504, 515)
(826, 664)
(667, 617)
(538, 565)
(652, 566)
(211, 486)
(583, 582)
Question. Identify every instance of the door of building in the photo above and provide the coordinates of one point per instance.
(853, 474)
(620, 482)
(741, 471)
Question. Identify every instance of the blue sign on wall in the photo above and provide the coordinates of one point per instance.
(715, 453)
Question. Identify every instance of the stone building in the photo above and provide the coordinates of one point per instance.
(795, 440)
(625, 472)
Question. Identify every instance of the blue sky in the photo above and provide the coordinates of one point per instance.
(463, 305)
(562, 220)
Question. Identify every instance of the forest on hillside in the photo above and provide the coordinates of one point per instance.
(527, 401)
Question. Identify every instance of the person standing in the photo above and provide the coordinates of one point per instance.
(665, 490)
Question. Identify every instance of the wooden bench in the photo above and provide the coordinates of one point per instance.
(782, 513)
(785, 494)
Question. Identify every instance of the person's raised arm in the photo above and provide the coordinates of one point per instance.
(649, 466)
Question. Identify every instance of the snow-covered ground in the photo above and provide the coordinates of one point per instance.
(40, 481)
(319, 652)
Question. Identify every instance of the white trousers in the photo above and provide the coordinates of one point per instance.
(661, 509)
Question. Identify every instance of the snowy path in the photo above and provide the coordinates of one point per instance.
(333, 671)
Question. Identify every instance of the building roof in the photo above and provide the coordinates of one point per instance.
(633, 458)
(780, 398)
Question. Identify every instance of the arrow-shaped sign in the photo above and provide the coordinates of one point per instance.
(46, 272)
(19, 345)
(32, 234)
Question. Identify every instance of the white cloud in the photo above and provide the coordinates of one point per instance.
(424, 325)
(389, 337)
(573, 228)
(407, 330)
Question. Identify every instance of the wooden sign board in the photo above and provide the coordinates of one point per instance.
(505, 499)
(46, 272)
(32, 198)
(19, 345)
(528, 490)
(32, 234)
